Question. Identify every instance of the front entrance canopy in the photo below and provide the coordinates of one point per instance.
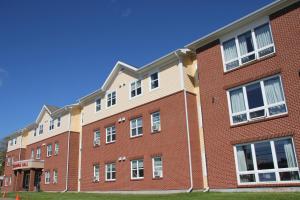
(28, 164)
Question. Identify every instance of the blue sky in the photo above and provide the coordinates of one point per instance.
(56, 51)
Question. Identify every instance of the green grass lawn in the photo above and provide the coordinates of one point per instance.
(182, 196)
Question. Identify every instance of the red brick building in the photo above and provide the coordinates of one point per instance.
(251, 106)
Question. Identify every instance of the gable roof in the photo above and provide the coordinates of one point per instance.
(46, 108)
(264, 11)
(137, 71)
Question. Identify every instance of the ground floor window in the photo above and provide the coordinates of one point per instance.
(267, 162)
(55, 176)
(47, 177)
(157, 167)
(96, 173)
(137, 169)
(110, 172)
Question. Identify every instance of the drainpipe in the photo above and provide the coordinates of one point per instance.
(180, 64)
(68, 153)
(20, 149)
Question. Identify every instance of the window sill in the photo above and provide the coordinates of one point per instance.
(136, 179)
(137, 136)
(251, 63)
(110, 142)
(110, 181)
(95, 181)
(260, 120)
(157, 178)
(155, 132)
(97, 145)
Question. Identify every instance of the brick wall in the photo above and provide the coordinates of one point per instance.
(219, 135)
(170, 143)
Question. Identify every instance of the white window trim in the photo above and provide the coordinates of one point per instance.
(138, 135)
(48, 150)
(58, 123)
(47, 173)
(38, 155)
(32, 154)
(107, 107)
(265, 107)
(235, 34)
(276, 170)
(96, 111)
(51, 125)
(110, 172)
(56, 150)
(158, 79)
(152, 121)
(96, 178)
(153, 167)
(135, 81)
(97, 143)
(41, 129)
(106, 130)
(55, 177)
(131, 169)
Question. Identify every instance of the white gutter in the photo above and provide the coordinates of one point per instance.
(20, 149)
(180, 64)
(68, 154)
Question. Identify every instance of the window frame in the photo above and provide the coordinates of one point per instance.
(51, 125)
(56, 148)
(135, 89)
(111, 134)
(96, 178)
(234, 35)
(55, 176)
(110, 172)
(41, 129)
(266, 106)
(47, 176)
(58, 124)
(138, 174)
(152, 124)
(256, 171)
(111, 99)
(32, 154)
(49, 150)
(153, 167)
(38, 153)
(98, 106)
(150, 81)
(97, 138)
(137, 127)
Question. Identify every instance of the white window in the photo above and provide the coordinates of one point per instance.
(51, 124)
(98, 105)
(55, 176)
(49, 150)
(250, 45)
(38, 153)
(41, 129)
(155, 122)
(97, 138)
(111, 99)
(154, 81)
(136, 127)
(259, 99)
(11, 142)
(96, 173)
(267, 162)
(110, 172)
(34, 132)
(47, 177)
(8, 163)
(9, 183)
(110, 134)
(15, 140)
(137, 169)
(58, 122)
(135, 88)
(157, 167)
(32, 154)
(56, 148)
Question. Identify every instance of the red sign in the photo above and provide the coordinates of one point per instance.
(20, 164)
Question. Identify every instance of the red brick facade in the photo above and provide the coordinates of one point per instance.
(220, 136)
(170, 143)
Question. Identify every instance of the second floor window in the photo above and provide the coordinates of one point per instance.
(38, 153)
(56, 148)
(49, 150)
(262, 98)
(111, 99)
(135, 88)
(98, 105)
(136, 127)
(110, 134)
(51, 124)
(41, 129)
(32, 154)
(110, 172)
(155, 122)
(96, 173)
(8, 162)
(250, 45)
(154, 81)
(97, 138)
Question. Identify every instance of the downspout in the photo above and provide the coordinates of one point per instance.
(68, 154)
(180, 64)
(20, 149)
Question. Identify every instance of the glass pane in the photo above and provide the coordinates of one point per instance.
(289, 176)
(230, 51)
(285, 153)
(265, 177)
(239, 118)
(244, 158)
(273, 90)
(263, 36)
(254, 95)
(154, 76)
(258, 113)
(248, 58)
(246, 43)
(264, 156)
(232, 65)
(277, 109)
(237, 100)
(141, 173)
(246, 178)
(266, 51)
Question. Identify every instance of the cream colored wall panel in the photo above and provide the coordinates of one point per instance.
(168, 83)
(14, 146)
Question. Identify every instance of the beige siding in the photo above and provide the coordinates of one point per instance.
(14, 146)
(75, 120)
(168, 83)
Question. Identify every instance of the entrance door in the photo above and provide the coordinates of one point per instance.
(26, 180)
(37, 179)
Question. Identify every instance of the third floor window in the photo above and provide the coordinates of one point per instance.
(111, 99)
(136, 88)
